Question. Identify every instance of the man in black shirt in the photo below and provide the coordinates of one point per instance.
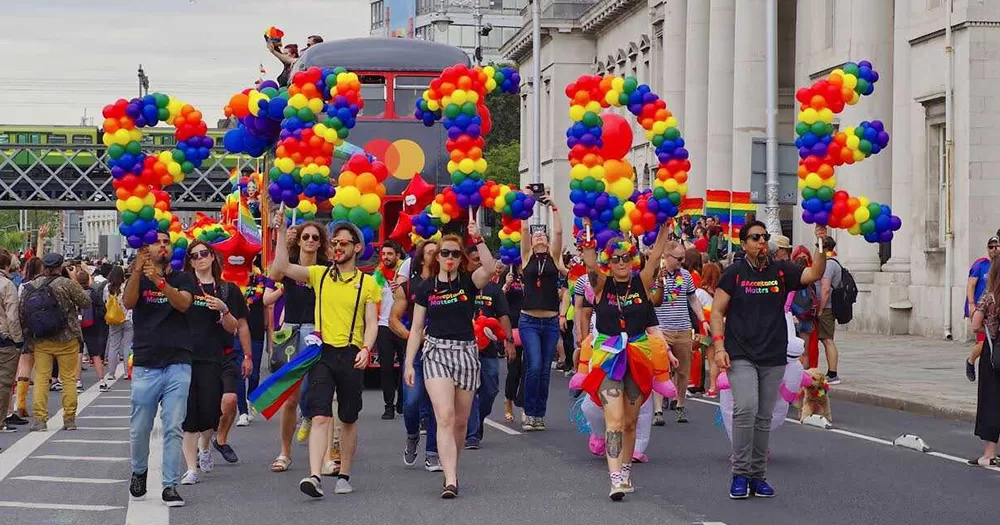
(158, 298)
(751, 298)
(491, 301)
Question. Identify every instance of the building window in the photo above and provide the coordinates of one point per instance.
(83, 139)
(378, 14)
(934, 187)
(831, 23)
(57, 139)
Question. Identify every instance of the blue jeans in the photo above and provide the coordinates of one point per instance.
(539, 338)
(152, 388)
(417, 405)
(257, 352)
(482, 404)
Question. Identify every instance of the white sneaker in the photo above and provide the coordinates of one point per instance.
(190, 478)
(103, 386)
(343, 487)
(243, 421)
(205, 461)
(79, 386)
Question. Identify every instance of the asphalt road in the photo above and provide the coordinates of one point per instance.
(822, 477)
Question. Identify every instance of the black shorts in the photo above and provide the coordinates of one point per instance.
(390, 347)
(96, 341)
(231, 374)
(204, 402)
(335, 372)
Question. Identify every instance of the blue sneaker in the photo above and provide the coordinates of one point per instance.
(740, 489)
(760, 489)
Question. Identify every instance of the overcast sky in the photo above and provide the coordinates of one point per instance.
(63, 56)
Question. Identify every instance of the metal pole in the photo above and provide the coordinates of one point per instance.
(771, 185)
(536, 95)
(478, 17)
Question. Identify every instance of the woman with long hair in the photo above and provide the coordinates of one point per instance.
(31, 270)
(513, 288)
(621, 365)
(710, 274)
(307, 245)
(445, 305)
(539, 320)
(119, 336)
(987, 319)
(213, 317)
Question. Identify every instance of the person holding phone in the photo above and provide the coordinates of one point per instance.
(539, 320)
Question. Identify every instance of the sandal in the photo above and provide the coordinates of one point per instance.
(281, 463)
(449, 492)
(983, 462)
(508, 414)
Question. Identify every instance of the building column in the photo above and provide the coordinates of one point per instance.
(870, 38)
(695, 123)
(674, 50)
(721, 30)
(899, 130)
(749, 86)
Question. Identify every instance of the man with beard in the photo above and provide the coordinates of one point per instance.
(748, 308)
(347, 322)
(390, 346)
(158, 297)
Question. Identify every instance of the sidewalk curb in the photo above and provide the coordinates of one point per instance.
(924, 409)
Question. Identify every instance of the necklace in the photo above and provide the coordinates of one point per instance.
(340, 277)
(540, 260)
(671, 294)
(448, 283)
(619, 299)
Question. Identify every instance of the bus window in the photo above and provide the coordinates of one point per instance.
(57, 139)
(28, 138)
(407, 91)
(373, 92)
(83, 139)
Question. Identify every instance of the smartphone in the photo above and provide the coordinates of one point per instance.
(538, 188)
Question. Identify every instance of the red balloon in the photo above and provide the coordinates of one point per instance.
(616, 134)
(487, 123)
(380, 171)
(419, 192)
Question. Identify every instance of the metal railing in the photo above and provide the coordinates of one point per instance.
(77, 177)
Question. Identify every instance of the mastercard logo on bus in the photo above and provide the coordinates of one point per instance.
(404, 157)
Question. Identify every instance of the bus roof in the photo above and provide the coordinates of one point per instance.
(382, 54)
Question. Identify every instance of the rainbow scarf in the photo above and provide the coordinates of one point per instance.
(383, 275)
(273, 391)
(615, 355)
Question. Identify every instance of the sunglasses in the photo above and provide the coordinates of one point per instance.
(342, 243)
(310, 237)
(756, 237)
(450, 254)
(200, 254)
(615, 259)
(993, 246)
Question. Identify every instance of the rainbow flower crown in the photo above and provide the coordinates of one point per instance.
(616, 245)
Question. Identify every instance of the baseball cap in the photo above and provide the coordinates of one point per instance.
(53, 260)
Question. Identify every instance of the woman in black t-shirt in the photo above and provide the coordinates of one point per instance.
(621, 364)
(445, 305)
(307, 245)
(539, 321)
(213, 318)
(751, 297)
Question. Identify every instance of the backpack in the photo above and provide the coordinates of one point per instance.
(96, 312)
(42, 315)
(115, 314)
(844, 296)
(805, 304)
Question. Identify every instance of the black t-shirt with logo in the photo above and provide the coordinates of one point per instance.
(755, 318)
(162, 335)
(255, 320)
(450, 307)
(300, 302)
(492, 302)
(210, 338)
(624, 301)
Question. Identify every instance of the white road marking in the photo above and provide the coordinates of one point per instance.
(116, 397)
(502, 428)
(57, 479)
(56, 506)
(24, 447)
(79, 458)
(103, 417)
(958, 460)
(880, 441)
(151, 510)
(103, 428)
(97, 441)
(111, 406)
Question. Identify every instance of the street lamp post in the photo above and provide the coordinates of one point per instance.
(143, 82)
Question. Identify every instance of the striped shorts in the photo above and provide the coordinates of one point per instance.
(455, 360)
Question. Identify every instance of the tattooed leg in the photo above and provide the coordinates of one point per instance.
(613, 440)
(612, 395)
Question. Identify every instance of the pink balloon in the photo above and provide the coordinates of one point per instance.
(616, 134)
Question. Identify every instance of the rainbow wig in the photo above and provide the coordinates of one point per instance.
(615, 245)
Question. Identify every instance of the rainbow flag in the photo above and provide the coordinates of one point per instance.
(717, 204)
(273, 391)
(247, 226)
(740, 206)
(692, 206)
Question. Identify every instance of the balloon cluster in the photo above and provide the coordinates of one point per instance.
(487, 330)
(510, 241)
(506, 200)
(317, 112)
(138, 178)
(821, 151)
(602, 182)
(425, 227)
(258, 112)
(360, 191)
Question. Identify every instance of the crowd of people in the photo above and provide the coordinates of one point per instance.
(621, 317)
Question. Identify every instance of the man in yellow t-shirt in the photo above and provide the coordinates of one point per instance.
(347, 320)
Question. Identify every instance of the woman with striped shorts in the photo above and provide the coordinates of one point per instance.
(442, 317)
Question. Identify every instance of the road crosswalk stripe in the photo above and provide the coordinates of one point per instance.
(96, 441)
(110, 406)
(56, 506)
(79, 458)
(58, 479)
(103, 417)
(102, 428)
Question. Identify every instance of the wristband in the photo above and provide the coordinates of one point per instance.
(366, 349)
(716, 338)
